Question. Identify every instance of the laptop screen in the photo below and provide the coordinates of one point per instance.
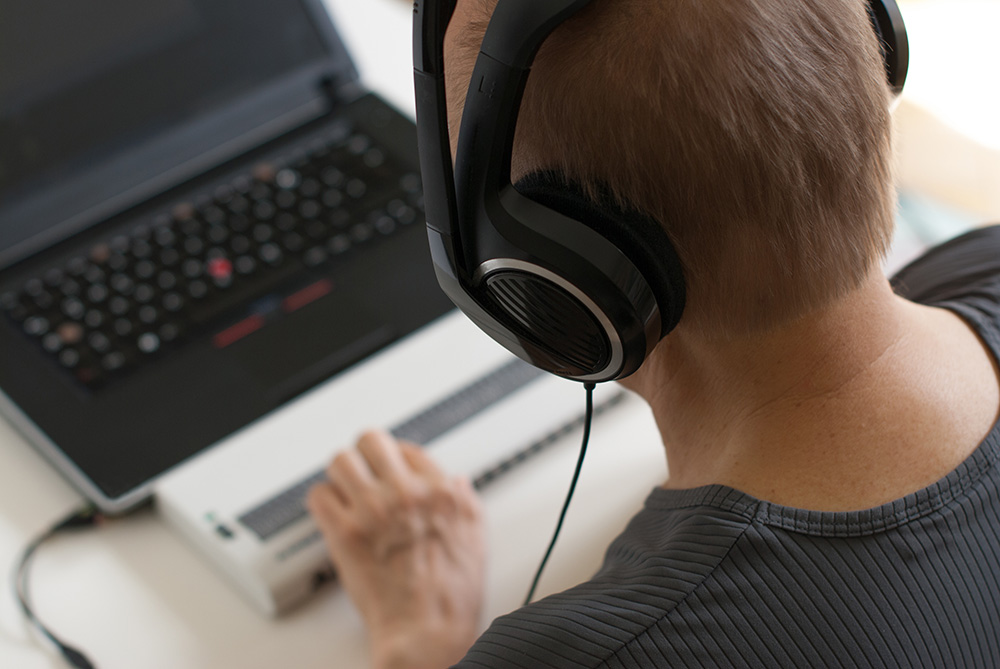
(81, 81)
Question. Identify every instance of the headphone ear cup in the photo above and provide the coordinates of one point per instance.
(640, 238)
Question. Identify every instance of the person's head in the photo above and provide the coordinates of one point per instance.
(756, 131)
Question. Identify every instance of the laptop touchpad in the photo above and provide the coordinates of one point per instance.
(305, 344)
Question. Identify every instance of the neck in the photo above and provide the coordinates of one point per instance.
(851, 406)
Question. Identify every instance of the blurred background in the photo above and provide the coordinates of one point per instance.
(948, 133)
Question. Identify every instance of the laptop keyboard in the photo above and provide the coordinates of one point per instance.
(134, 296)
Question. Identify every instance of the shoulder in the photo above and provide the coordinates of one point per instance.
(704, 576)
(667, 551)
(967, 264)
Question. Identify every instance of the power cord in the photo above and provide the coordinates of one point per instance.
(587, 420)
(86, 516)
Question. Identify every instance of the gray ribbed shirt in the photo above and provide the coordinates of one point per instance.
(712, 577)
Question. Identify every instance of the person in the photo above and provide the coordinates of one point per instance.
(834, 493)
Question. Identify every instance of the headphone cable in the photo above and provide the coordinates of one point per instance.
(587, 420)
(83, 517)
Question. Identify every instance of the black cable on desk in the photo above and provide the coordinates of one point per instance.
(84, 517)
(587, 420)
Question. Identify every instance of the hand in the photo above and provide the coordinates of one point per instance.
(407, 542)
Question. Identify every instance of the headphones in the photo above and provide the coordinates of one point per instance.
(577, 287)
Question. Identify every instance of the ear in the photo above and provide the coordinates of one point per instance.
(642, 239)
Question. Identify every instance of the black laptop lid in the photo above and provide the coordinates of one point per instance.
(106, 102)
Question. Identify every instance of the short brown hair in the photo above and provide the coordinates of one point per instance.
(756, 131)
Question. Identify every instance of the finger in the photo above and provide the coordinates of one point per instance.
(421, 463)
(471, 504)
(321, 502)
(382, 452)
(351, 476)
(334, 521)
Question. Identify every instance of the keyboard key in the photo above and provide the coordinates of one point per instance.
(117, 262)
(339, 244)
(285, 199)
(100, 253)
(356, 188)
(262, 233)
(173, 302)
(73, 308)
(119, 244)
(77, 266)
(170, 257)
(70, 333)
(99, 342)
(93, 274)
(97, 293)
(36, 326)
(144, 269)
(69, 358)
(165, 237)
(331, 176)
(34, 287)
(141, 250)
(239, 244)
(264, 210)
(190, 227)
(148, 314)
(411, 184)
(361, 232)
(285, 222)
(144, 293)
(70, 286)
(310, 209)
(287, 179)
(316, 230)
(193, 246)
(192, 268)
(148, 343)
(122, 284)
(245, 265)
(167, 280)
(123, 327)
(310, 188)
(332, 198)
(113, 361)
(214, 215)
(169, 332)
(293, 242)
(217, 234)
(43, 300)
(52, 342)
(118, 305)
(54, 276)
(315, 256)
(270, 253)
(94, 318)
(197, 289)
(239, 206)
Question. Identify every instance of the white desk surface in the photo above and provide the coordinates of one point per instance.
(132, 594)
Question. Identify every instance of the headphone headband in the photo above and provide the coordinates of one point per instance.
(568, 295)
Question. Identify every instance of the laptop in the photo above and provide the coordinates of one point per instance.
(213, 273)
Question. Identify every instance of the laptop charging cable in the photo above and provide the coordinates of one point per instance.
(86, 516)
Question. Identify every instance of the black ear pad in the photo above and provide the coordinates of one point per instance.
(642, 239)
